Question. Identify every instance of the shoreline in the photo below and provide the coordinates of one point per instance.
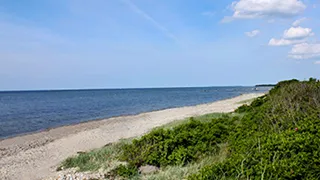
(106, 118)
(102, 119)
(36, 155)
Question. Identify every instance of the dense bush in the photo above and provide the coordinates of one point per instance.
(256, 103)
(180, 145)
(124, 171)
(277, 138)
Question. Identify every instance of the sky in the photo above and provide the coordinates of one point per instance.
(75, 44)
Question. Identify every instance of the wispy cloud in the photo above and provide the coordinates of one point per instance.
(297, 22)
(146, 16)
(253, 33)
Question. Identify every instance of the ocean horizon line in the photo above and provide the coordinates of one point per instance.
(135, 88)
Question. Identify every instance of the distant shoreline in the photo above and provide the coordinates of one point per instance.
(265, 85)
(43, 151)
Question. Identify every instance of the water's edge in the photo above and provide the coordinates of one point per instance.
(108, 118)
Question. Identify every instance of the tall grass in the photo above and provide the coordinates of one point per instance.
(105, 158)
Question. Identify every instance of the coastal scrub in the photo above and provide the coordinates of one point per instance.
(276, 136)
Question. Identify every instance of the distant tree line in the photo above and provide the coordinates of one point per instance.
(265, 85)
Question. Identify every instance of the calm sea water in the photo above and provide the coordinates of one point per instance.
(25, 112)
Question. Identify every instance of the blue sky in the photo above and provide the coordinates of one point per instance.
(63, 44)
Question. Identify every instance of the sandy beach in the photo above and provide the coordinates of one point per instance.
(36, 156)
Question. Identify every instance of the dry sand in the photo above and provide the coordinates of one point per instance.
(36, 156)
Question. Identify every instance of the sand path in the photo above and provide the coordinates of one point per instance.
(36, 156)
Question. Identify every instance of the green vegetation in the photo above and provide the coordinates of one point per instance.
(177, 146)
(125, 171)
(105, 158)
(179, 171)
(265, 85)
(246, 101)
(203, 118)
(275, 137)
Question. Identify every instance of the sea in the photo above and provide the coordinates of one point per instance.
(23, 112)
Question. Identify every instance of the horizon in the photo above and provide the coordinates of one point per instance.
(68, 44)
(133, 88)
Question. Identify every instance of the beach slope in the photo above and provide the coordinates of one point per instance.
(36, 156)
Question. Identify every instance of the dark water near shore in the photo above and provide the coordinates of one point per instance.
(30, 111)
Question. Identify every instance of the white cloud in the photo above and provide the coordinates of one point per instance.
(253, 33)
(305, 51)
(317, 62)
(249, 9)
(298, 22)
(284, 42)
(209, 13)
(297, 33)
(291, 36)
(279, 42)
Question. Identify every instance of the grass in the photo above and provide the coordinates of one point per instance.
(104, 158)
(182, 172)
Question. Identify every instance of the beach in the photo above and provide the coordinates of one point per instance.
(37, 155)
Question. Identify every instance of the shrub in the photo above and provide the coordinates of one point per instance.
(277, 138)
(125, 171)
(180, 145)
